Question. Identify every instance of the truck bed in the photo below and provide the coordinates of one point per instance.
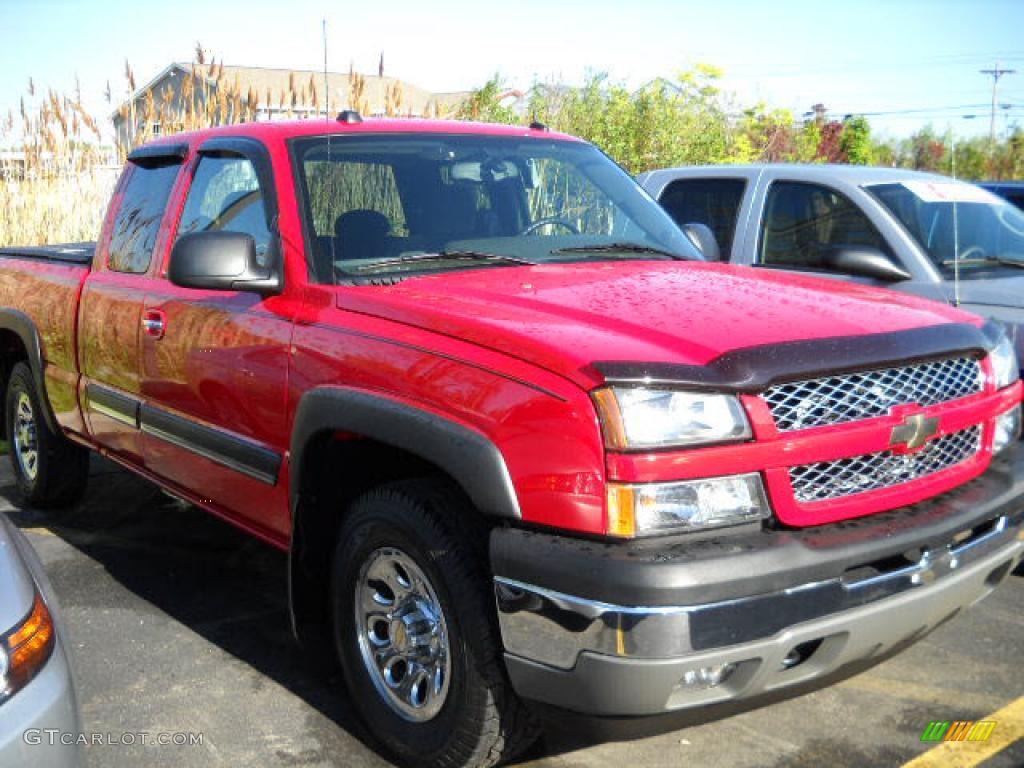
(72, 253)
(44, 283)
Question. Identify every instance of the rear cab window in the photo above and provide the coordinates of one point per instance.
(712, 202)
(137, 224)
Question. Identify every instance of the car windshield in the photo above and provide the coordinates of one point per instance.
(953, 221)
(385, 205)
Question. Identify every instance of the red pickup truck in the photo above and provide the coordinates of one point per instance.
(520, 443)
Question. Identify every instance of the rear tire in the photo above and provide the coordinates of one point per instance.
(50, 470)
(412, 603)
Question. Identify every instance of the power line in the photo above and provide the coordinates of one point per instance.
(919, 110)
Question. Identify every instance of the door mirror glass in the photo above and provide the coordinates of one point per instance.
(221, 261)
(864, 261)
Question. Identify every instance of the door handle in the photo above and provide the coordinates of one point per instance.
(154, 322)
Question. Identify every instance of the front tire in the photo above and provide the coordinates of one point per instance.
(414, 627)
(50, 470)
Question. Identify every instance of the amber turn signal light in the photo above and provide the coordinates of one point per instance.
(27, 648)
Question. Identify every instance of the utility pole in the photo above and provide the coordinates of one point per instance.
(996, 73)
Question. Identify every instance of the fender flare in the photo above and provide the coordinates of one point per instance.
(22, 326)
(468, 456)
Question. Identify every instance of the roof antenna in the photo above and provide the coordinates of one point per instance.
(956, 231)
(327, 90)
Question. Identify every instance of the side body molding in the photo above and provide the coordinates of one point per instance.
(469, 457)
(22, 326)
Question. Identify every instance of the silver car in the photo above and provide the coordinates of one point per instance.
(39, 719)
(915, 232)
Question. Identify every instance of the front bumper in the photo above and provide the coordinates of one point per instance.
(612, 629)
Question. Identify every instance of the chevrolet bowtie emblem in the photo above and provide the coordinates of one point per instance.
(914, 432)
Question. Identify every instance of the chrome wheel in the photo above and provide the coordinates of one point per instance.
(26, 447)
(402, 634)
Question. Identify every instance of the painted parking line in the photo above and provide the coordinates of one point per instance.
(1009, 729)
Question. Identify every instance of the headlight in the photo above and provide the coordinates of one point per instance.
(1004, 363)
(639, 417)
(653, 508)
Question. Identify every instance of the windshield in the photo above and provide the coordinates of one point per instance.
(418, 203)
(952, 220)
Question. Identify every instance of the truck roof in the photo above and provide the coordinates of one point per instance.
(320, 126)
(853, 174)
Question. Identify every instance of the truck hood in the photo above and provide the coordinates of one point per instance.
(566, 317)
(993, 291)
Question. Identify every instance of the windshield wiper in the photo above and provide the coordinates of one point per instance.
(985, 260)
(444, 256)
(618, 248)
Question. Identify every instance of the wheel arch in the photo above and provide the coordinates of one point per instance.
(20, 342)
(345, 441)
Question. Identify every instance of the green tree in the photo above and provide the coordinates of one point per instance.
(855, 141)
(484, 104)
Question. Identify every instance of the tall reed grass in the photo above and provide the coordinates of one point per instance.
(56, 175)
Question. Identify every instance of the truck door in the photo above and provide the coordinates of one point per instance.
(214, 363)
(110, 311)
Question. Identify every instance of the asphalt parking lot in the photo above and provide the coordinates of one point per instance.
(178, 625)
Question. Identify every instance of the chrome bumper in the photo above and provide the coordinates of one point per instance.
(605, 659)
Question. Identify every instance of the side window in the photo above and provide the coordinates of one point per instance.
(804, 222)
(225, 196)
(712, 202)
(138, 219)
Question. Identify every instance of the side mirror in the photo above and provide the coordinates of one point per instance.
(865, 261)
(703, 240)
(220, 261)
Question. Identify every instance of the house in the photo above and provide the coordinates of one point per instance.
(183, 94)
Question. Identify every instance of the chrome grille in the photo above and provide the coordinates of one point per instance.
(857, 474)
(863, 395)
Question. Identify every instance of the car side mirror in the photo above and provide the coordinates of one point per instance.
(865, 261)
(703, 240)
(221, 261)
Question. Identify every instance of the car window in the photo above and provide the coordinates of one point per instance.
(955, 222)
(803, 223)
(138, 218)
(712, 202)
(400, 204)
(226, 197)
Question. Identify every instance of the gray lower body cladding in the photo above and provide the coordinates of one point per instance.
(643, 628)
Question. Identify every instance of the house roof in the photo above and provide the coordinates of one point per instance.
(279, 81)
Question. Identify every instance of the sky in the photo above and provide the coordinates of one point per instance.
(903, 63)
